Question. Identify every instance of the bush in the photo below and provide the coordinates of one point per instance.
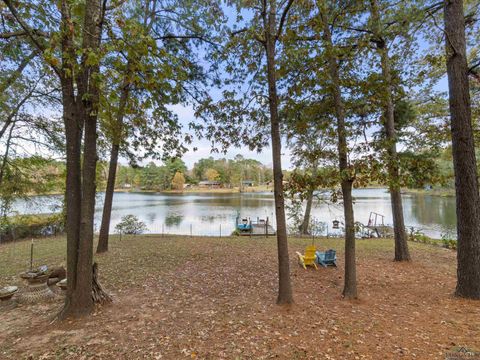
(26, 226)
(448, 241)
(418, 236)
(130, 225)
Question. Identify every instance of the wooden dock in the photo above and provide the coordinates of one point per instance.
(259, 230)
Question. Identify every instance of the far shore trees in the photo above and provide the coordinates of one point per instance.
(178, 181)
(212, 174)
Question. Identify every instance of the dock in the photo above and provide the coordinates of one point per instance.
(376, 227)
(260, 227)
(380, 231)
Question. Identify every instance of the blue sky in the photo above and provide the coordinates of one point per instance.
(203, 146)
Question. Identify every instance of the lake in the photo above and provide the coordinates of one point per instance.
(212, 213)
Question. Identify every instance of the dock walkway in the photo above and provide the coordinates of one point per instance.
(259, 229)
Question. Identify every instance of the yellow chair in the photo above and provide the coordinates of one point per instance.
(301, 260)
(309, 258)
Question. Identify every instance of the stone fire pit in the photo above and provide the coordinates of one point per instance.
(6, 295)
(37, 288)
(62, 284)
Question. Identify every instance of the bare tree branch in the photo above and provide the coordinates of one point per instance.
(283, 18)
(20, 33)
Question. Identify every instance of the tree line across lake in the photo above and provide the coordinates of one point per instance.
(355, 89)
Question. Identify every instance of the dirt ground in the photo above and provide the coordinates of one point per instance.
(206, 298)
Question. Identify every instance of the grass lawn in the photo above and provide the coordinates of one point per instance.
(177, 297)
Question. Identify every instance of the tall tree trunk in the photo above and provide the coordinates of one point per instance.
(117, 134)
(73, 191)
(74, 305)
(108, 202)
(80, 111)
(5, 154)
(401, 244)
(350, 286)
(463, 150)
(112, 171)
(284, 285)
(304, 226)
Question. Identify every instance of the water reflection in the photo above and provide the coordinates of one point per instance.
(206, 213)
(173, 219)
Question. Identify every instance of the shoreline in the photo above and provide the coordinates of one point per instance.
(256, 189)
(433, 192)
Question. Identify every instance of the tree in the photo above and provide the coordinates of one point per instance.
(212, 174)
(272, 20)
(463, 150)
(151, 177)
(174, 166)
(130, 225)
(70, 46)
(201, 166)
(178, 181)
(401, 245)
(144, 85)
(310, 137)
(250, 55)
(350, 285)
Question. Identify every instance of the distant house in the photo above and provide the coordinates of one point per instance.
(206, 184)
(248, 183)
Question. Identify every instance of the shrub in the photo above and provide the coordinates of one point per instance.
(130, 225)
(448, 241)
(453, 244)
(418, 236)
(25, 226)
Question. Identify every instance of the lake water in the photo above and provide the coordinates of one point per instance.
(210, 213)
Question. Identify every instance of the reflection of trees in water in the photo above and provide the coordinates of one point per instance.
(434, 210)
(236, 200)
(151, 216)
(210, 218)
(173, 219)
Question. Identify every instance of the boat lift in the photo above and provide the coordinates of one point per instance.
(245, 226)
(376, 226)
